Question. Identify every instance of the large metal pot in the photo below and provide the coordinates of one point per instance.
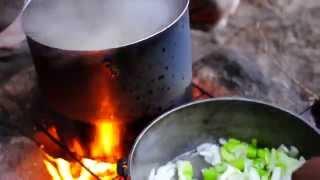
(186, 127)
(140, 77)
(136, 78)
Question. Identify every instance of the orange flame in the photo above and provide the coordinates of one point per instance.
(105, 148)
(107, 141)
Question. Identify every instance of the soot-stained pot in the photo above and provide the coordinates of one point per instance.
(186, 127)
(140, 78)
(132, 82)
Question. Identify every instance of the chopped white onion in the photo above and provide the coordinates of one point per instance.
(166, 172)
(210, 152)
(231, 174)
(276, 174)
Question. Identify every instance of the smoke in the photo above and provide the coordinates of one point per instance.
(97, 24)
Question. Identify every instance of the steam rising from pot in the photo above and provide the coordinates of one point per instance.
(96, 24)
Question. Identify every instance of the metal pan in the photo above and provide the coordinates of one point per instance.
(186, 127)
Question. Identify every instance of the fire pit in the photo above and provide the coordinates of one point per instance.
(105, 70)
(22, 159)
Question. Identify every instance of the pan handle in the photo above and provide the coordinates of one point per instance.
(122, 168)
(313, 112)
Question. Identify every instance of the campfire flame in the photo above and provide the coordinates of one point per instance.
(105, 150)
(60, 169)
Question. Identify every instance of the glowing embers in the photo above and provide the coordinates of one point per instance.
(60, 169)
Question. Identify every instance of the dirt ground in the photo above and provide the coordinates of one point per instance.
(273, 49)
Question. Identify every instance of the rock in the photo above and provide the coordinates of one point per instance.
(234, 71)
(21, 159)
